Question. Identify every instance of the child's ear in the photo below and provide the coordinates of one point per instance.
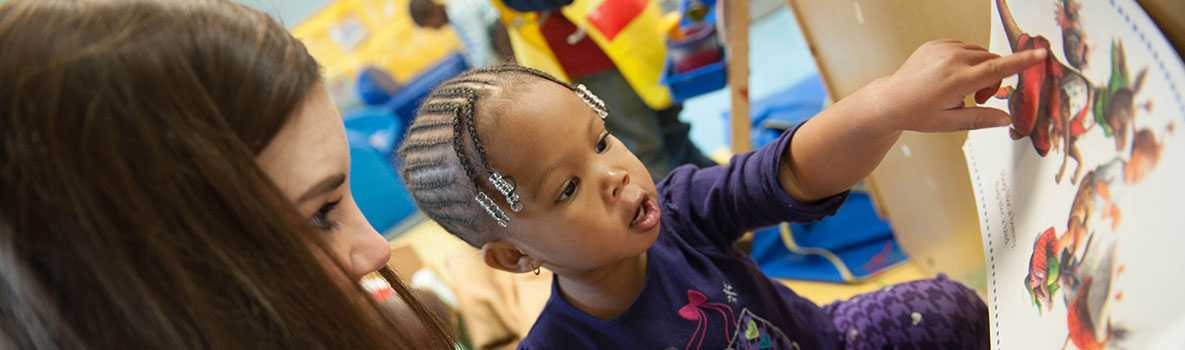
(504, 256)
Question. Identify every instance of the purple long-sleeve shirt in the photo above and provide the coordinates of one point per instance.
(700, 293)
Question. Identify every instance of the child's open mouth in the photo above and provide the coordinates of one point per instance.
(646, 217)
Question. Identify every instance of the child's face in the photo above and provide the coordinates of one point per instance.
(587, 200)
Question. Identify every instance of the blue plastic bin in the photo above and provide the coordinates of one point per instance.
(702, 80)
(375, 86)
(374, 181)
(405, 102)
(697, 82)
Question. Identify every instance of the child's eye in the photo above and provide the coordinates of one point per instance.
(602, 142)
(321, 221)
(570, 189)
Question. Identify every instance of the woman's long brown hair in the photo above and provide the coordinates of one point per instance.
(132, 212)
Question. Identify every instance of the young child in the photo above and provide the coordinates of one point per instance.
(519, 164)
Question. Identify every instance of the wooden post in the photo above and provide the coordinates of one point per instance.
(736, 21)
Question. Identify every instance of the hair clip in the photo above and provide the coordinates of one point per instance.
(492, 208)
(506, 185)
(592, 100)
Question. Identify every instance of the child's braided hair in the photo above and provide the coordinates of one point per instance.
(442, 145)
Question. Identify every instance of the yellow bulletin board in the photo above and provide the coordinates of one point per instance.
(349, 35)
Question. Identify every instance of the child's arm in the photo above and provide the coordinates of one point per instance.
(845, 142)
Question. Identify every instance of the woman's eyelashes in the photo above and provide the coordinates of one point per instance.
(321, 220)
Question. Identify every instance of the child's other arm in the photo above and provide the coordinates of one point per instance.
(845, 142)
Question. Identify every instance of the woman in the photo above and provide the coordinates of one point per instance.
(173, 175)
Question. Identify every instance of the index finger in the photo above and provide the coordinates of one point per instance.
(997, 69)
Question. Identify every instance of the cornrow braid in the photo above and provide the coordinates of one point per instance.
(432, 171)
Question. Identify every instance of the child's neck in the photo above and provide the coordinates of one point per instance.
(608, 291)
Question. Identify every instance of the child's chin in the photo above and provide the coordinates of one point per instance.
(637, 243)
(650, 236)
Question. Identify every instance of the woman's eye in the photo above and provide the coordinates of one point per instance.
(569, 189)
(320, 219)
(603, 142)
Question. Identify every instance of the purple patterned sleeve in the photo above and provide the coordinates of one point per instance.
(724, 201)
(924, 314)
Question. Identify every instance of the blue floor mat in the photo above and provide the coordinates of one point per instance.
(851, 245)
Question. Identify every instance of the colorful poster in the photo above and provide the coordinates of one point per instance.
(1079, 199)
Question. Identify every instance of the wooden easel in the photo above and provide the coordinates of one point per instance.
(922, 187)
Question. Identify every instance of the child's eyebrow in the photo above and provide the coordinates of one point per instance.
(537, 185)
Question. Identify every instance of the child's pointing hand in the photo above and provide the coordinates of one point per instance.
(926, 93)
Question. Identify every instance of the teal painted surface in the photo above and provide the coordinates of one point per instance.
(288, 12)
